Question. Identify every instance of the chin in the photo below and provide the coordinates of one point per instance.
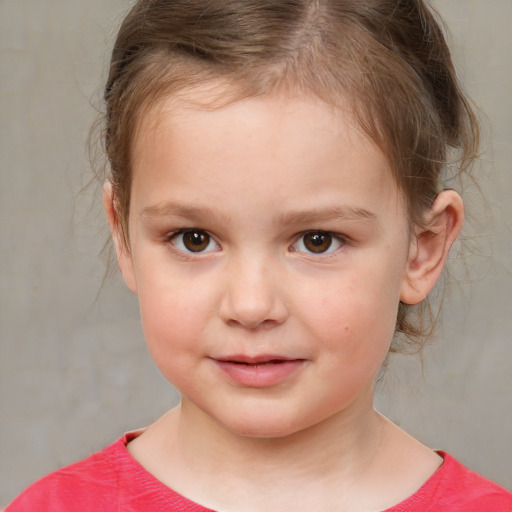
(264, 426)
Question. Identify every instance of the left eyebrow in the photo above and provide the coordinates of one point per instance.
(327, 214)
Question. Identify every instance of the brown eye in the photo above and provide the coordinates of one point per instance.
(317, 242)
(194, 240)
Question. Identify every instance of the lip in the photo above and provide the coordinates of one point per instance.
(260, 371)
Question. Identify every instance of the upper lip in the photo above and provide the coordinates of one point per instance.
(255, 359)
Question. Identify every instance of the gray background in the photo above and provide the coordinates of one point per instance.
(74, 372)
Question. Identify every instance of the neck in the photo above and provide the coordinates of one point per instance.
(332, 464)
(333, 456)
(341, 443)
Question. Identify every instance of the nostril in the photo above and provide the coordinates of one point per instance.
(254, 325)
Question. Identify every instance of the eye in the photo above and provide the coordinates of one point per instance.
(317, 242)
(193, 240)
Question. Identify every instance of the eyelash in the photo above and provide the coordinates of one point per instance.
(335, 239)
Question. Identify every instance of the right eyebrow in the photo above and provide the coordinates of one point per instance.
(182, 210)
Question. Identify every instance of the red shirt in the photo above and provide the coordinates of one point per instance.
(112, 481)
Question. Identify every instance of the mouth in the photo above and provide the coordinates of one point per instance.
(273, 361)
(259, 371)
(255, 360)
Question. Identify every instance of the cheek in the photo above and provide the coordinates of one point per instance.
(173, 314)
(173, 329)
(350, 314)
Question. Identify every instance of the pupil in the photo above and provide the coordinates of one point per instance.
(196, 238)
(318, 242)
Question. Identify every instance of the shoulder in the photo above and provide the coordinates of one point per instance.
(107, 481)
(90, 484)
(455, 488)
(472, 490)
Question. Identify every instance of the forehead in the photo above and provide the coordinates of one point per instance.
(226, 107)
(266, 149)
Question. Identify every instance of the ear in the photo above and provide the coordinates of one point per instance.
(124, 258)
(430, 246)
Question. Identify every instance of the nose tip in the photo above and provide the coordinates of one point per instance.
(253, 299)
(252, 309)
(254, 318)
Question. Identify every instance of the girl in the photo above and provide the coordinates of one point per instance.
(275, 204)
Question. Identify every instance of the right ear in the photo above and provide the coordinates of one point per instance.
(124, 257)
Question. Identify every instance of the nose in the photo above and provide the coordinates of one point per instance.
(254, 294)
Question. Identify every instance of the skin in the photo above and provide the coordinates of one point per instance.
(253, 178)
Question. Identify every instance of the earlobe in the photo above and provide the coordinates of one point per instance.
(430, 246)
(124, 258)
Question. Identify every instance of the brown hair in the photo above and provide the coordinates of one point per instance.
(389, 58)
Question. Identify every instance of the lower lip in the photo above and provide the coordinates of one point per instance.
(260, 375)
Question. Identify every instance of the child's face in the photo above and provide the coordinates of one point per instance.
(294, 257)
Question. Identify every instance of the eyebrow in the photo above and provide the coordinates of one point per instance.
(327, 214)
(196, 213)
(173, 209)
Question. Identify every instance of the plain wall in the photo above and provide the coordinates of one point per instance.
(74, 372)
